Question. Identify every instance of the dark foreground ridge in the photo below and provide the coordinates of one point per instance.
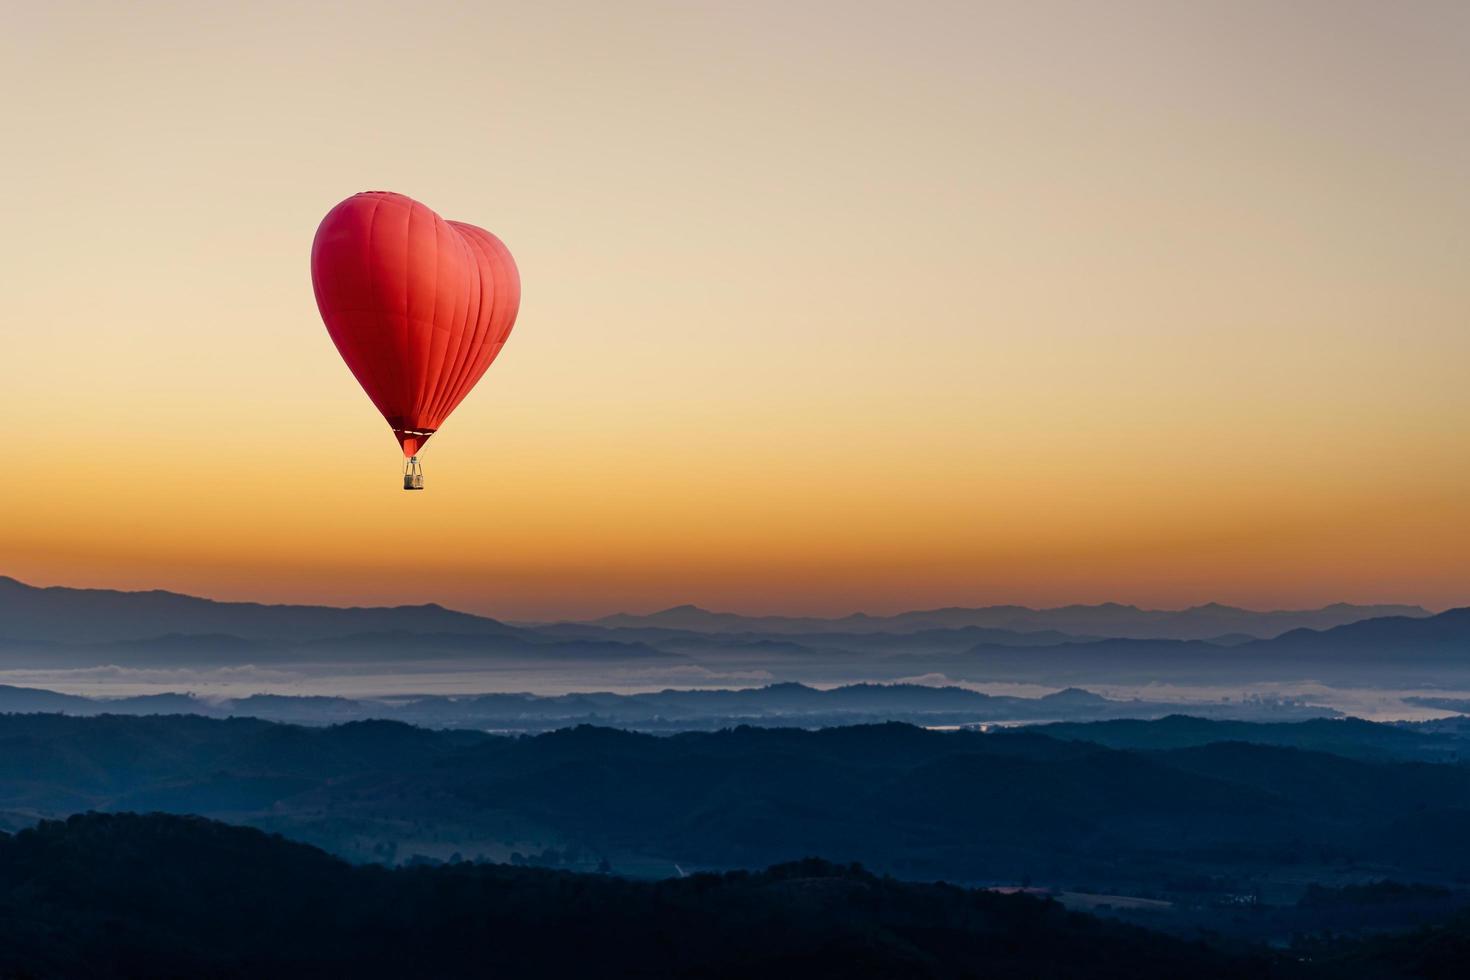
(922, 805)
(124, 895)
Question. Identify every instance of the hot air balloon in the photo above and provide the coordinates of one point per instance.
(417, 306)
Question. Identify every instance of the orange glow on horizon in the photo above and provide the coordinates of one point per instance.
(826, 308)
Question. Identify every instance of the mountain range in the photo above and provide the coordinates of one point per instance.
(1392, 646)
(67, 615)
(788, 704)
(1106, 619)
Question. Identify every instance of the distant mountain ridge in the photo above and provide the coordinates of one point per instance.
(62, 628)
(1108, 619)
(1448, 632)
(65, 615)
(1391, 650)
(58, 614)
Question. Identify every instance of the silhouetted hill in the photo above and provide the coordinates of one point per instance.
(1442, 637)
(103, 615)
(395, 644)
(1107, 619)
(1434, 953)
(1396, 649)
(110, 896)
(667, 710)
(918, 803)
(1351, 737)
(1112, 643)
(810, 643)
(19, 699)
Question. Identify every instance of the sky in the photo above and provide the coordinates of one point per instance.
(826, 305)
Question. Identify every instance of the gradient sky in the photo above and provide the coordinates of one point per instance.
(827, 306)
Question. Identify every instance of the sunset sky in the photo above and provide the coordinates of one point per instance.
(827, 306)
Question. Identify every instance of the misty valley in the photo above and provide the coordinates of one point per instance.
(1239, 812)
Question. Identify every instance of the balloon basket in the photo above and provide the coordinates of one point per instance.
(413, 474)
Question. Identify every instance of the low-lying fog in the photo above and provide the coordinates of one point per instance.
(380, 680)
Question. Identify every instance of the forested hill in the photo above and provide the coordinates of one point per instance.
(111, 896)
(920, 804)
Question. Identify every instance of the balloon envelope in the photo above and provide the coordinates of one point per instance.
(417, 306)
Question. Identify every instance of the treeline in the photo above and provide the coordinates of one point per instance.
(922, 805)
(123, 895)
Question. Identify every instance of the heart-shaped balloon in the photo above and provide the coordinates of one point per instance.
(417, 306)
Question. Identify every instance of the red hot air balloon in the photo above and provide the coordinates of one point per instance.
(417, 306)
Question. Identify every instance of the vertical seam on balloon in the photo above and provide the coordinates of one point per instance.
(432, 392)
(453, 391)
(512, 272)
(463, 336)
(418, 410)
(503, 309)
(454, 338)
(408, 319)
(507, 283)
(467, 376)
(374, 362)
(445, 402)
